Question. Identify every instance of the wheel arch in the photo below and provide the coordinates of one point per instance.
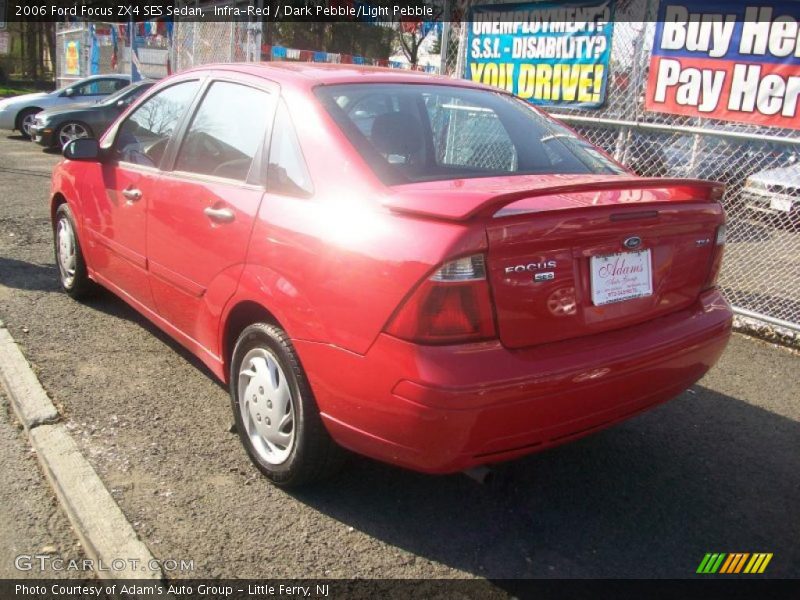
(57, 200)
(240, 316)
(20, 112)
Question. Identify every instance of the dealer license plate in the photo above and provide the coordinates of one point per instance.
(781, 204)
(618, 277)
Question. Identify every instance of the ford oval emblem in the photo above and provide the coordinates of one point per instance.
(632, 242)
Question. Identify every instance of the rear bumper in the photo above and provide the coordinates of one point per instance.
(444, 409)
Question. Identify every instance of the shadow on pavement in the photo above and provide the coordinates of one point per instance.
(648, 498)
(23, 275)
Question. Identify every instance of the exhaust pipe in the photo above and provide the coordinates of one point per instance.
(481, 474)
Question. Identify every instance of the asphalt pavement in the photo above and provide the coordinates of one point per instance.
(35, 532)
(715, 470)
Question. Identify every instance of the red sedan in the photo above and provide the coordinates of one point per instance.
(422, 270)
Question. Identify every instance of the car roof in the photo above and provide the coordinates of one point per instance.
(107, 76)
(308, 74)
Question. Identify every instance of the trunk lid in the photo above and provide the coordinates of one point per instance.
(557, 259)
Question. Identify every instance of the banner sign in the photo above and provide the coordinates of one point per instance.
(728, 61)
(549, 53)
(72, 57)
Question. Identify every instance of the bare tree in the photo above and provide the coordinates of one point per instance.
(412, 34)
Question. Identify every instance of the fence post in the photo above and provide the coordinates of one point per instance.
(461, 59)
(445, 42)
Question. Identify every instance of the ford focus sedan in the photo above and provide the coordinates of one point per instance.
(422, 270)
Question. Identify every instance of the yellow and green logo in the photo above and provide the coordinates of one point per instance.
(733, 563)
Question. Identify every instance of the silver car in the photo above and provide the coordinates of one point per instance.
(19, 112)
(774, 192)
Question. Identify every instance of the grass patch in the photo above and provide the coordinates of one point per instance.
(10, 90)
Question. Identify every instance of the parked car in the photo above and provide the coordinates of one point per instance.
(54, 127)
(722, 159)
(774, 192)
(380, 282)
(17, 113)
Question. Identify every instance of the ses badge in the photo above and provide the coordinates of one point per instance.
(537, 268)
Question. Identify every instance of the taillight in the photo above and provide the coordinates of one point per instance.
(716, 259)
(452, 306)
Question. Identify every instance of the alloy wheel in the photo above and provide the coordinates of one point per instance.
(27, 123)
(71, 131)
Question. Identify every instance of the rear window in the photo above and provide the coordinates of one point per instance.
(410, 133)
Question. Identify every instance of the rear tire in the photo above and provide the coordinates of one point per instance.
(72, 272)
(276, 415)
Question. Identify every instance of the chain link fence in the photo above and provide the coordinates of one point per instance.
(197, 43)
(761, 272)
(74, 44)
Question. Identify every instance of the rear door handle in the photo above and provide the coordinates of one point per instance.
(132, 194)
(219, 215)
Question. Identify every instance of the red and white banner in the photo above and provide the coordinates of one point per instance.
(729, 61)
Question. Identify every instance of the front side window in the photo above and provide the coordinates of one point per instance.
(411, 132)
(287, 172)
(100, 87)
(143, 136)
(226, 132)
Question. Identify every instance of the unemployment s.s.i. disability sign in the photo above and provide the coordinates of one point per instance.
(549, 53)
(735, 61)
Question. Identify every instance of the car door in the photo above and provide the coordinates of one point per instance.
(199, 222)
(115, 214)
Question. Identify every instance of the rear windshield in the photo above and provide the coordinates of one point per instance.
(410, 133)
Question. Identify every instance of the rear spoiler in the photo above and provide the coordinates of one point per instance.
(456, 205)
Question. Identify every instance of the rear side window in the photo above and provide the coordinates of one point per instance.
(287, 173)
(226, 132)
(411, 132)
(143, 136)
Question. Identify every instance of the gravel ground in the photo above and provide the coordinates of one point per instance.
(31, 522)
(716, 470)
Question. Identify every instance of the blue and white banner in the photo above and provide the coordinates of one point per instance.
(549, 53)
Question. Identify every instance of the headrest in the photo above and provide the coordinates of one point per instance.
(397, 133)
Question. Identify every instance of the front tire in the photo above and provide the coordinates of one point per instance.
(72, 272)
(25, 121)
(71, 130)
(275, 411)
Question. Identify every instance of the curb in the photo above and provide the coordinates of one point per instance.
(30, 401)
(107, 536)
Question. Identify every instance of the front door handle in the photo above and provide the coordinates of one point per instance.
(132, 194)
(219, 215)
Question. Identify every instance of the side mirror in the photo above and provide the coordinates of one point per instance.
(82, 149)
